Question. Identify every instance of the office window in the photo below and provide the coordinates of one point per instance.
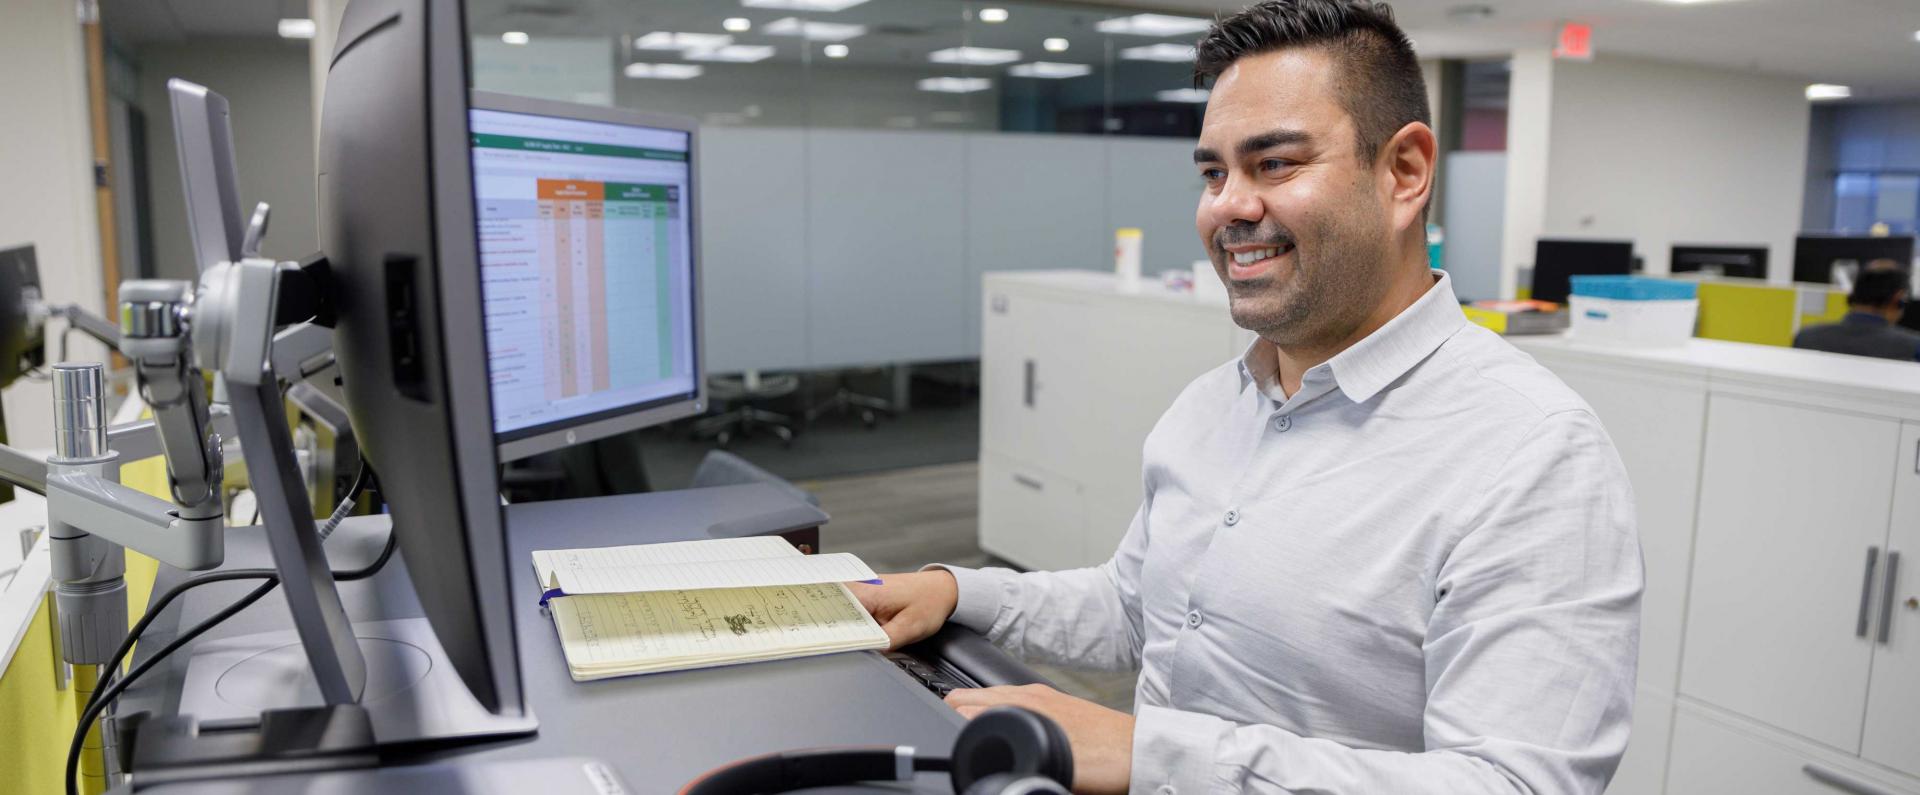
(1864, 199)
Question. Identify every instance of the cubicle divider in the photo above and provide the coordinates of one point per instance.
(829, 248)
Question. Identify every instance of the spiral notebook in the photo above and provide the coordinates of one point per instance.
(694, 604)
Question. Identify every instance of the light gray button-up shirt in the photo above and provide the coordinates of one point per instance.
(1417, 574)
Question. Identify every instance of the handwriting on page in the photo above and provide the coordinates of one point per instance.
(674, 625)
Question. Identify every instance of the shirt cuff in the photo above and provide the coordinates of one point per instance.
(982, 594)
(1174, 752)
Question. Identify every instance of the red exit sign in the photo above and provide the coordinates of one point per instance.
(1575, 42)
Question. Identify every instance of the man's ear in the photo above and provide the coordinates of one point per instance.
(1410, 158)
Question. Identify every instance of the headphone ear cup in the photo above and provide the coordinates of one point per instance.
(1011, 740)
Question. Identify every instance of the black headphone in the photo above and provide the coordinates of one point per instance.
(1002, 751)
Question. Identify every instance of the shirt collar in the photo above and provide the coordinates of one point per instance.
(1368, 366)
(1864, 319)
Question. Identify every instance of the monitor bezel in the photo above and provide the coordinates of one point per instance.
(550, 436)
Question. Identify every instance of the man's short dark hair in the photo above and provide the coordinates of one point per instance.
(1878, 288)
(1379, 82)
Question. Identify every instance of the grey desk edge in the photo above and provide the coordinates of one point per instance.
(658, 730)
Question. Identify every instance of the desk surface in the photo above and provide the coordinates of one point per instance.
(658, 730)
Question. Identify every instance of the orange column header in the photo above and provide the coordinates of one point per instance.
(572, 189)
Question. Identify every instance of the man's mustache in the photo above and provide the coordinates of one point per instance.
(1244, 236)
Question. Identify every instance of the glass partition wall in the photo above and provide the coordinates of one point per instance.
(865, 162)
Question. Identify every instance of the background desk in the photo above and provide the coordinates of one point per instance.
(658, 731)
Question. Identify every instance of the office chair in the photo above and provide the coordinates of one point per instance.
(844, 399)
(741, 395)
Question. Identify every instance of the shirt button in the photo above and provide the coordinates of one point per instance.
(1233, 517)
(1282, 423)
(1165, 789)
(1193, 620)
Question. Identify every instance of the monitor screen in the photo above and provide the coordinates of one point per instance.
(586, 257)
(1556, 262)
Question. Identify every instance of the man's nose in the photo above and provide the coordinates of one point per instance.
(1237, 202)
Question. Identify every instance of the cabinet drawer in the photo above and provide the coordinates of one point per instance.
(1714, 756)
(1029, 516)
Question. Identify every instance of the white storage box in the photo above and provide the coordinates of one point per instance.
(1632, 310)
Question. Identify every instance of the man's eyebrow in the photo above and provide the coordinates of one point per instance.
(1269, 140)
(1205, 155)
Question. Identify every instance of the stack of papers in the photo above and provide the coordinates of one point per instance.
(694, 604)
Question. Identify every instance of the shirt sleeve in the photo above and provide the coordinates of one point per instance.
(1530, 653)
(1084, 618)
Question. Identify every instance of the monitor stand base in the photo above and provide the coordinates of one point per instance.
(250, 706)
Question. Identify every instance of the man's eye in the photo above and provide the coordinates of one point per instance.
(1273, 164)
(1213, 174)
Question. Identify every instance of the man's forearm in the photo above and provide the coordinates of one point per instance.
(1189, 753)
(1074, 617)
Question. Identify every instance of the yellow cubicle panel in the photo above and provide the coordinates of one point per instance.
(1753, 312)
(36, 719)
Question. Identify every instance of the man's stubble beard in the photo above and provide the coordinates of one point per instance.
(1333, 286)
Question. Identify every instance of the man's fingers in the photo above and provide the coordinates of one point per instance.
(969, 712)
(983, 696)
(869, 595)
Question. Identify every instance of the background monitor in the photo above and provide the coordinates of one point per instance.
(1816, 257)
(1744, 262)
(397, 224)
(1556, 261)
(587, 258)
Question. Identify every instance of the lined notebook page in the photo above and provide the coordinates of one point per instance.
(689, 565)
(608, 635)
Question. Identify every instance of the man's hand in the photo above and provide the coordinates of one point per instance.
(910, 607)
(1102, 738)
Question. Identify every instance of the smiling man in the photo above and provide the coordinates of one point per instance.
(1382, 551)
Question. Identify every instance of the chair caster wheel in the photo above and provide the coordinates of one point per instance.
(870, 420)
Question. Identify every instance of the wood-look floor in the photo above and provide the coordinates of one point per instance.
(903, 519)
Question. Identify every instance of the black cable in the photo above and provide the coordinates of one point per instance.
(105, 696)
(107, 688)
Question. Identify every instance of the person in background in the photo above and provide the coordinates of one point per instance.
(1873, 309)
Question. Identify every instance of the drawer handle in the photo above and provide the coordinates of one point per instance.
(1029, 482)
(1866, 592)
(1886, 594)
(1835, 778)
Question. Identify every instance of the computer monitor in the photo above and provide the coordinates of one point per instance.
(587, 255)
(23, 307)
(204, 139)
(1556, 261)
(1820, 258)
(510, 276)
(398, 227)
(1744, 262)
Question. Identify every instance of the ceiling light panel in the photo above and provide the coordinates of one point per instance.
(732, 53)
(955, 85)
(975, 56)
(1163, 52)
(1195, 95)
(297, 29)
(803, 5)
(1823, 91)
(1050, 71)
(1153, 25)
(663, 71)
(814, 31)
(665, 40)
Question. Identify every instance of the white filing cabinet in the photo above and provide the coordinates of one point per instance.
(1075, 370)
(1762, 668)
